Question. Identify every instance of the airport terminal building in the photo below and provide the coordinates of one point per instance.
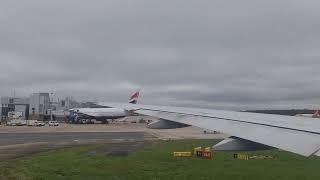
(38, 106)
(14, 104)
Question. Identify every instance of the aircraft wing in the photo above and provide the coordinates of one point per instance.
(295, 134)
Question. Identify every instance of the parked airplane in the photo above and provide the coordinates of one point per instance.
(248, 131)
(92, 115)
(316, 114)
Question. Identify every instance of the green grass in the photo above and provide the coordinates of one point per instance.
(156, 163)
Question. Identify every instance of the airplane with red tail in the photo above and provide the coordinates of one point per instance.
(316, 114)
(105, 114)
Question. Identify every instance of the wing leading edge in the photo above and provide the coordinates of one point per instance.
(295, 134)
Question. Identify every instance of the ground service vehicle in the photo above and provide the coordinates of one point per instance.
(53, 123)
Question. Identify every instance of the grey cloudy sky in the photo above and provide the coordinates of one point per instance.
(215, 53)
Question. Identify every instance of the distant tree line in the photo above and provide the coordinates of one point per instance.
(290, 112)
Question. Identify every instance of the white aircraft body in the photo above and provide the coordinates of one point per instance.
(248, 131)
(108, 113)
(314, 115)
(304, 115)
(102, 114)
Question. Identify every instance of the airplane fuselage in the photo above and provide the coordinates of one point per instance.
(101, 113)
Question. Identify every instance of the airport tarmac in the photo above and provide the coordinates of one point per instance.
(180, 133)
(13, 145)
(8, 139)
(17, 141)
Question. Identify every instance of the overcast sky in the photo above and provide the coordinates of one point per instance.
(220, 54)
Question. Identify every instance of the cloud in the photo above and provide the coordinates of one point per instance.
(216, 54)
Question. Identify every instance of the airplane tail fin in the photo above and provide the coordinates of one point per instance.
(316, 114)
(134, 97)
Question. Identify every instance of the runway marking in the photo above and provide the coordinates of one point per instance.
(24, 144)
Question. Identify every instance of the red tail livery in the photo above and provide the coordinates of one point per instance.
(134, 98)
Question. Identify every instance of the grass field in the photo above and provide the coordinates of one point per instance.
(156, 162)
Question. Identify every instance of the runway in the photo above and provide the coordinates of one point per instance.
(20, 141)
(14, 145)
(65, 137)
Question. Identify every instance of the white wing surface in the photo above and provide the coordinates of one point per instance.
(295, 134)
